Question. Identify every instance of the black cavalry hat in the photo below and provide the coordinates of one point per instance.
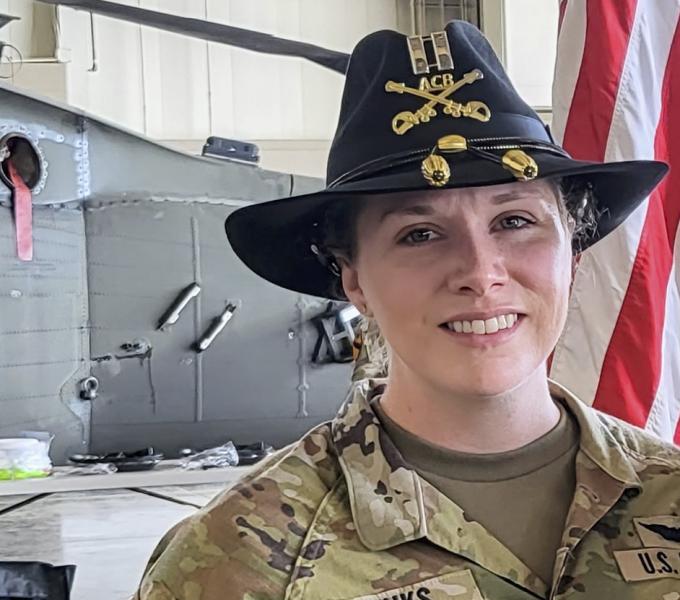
(424, 113)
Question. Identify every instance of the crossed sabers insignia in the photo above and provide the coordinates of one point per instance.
(474, 109)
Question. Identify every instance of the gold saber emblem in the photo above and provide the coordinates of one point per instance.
(405, 120)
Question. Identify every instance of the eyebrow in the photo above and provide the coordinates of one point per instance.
(426, 209)
(511, 196)
(414, 209)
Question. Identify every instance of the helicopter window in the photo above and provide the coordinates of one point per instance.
(19, 149)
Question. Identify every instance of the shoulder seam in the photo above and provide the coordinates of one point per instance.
(631, 452)
(283, 454)
(659, 460)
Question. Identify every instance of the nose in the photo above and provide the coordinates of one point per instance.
(478, 266)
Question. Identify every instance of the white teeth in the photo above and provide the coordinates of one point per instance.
(491, 325)
(479, 327)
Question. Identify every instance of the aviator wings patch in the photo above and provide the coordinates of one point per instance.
(660, 531)
(672, 534)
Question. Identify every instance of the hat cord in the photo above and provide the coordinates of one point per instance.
(480, 147)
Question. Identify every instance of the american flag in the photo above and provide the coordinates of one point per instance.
(617, 97)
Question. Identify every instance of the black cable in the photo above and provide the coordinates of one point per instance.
(213, 32)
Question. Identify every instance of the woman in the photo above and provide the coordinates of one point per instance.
(450, 219)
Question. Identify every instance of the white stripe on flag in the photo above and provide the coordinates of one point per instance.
(569, 54)
(604, 271)
(665, 411)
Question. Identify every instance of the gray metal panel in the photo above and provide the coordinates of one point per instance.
(140, 257)
(305, 185)
(244, 387)
(123, 167)
(154, 224)
(93, 159)
(43, 328)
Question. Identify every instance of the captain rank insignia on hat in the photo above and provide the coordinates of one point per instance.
(437, 88)
(431, 59)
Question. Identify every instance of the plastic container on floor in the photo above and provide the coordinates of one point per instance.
(24, 458)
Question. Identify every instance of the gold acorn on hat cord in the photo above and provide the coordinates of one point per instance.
(520, 164)
(436, 170)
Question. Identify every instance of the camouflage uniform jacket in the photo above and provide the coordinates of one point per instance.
(339, 516)
(373, 358)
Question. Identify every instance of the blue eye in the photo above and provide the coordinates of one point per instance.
(515, 222)
(419, 236)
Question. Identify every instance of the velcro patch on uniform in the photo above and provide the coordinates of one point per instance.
(459, 585)
(648, 563)
(661, 532)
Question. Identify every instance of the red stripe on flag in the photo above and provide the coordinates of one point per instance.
(608, 28)
(632, 365)
(563, 9)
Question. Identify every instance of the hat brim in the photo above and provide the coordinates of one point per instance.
(273, 238)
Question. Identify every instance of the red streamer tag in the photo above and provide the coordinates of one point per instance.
(23, 214)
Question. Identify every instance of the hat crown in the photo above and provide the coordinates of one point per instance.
(388, 109)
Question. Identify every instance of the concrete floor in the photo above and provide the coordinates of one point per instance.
(108, 534)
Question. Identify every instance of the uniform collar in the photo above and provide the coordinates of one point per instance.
(392, 505)
(598, 440)
(385, 495)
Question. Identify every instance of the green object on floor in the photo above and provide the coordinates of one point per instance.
(13, 474)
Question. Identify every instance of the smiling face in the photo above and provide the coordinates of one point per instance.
(432, 266)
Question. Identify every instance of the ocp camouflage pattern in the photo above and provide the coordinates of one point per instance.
(339, 516)
(373, 358)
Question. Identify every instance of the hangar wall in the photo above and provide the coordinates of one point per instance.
(180, 90)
